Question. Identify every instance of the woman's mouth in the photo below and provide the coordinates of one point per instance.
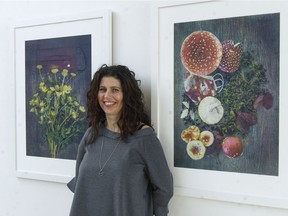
(108, 103)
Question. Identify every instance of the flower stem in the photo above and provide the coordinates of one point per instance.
(53, 147)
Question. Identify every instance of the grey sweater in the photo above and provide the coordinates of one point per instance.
(136, 180)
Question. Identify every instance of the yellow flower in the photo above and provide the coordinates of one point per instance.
(42, 109)
(39, 67)
(64, 72)
(49, 93)
(76, 103)
(53, 113)
(53, 104)
(67, 89)
(54, 70)
(58, 94)
(43, 89)
(75, 114)
(31, 102)
(82, 108)
(70, 99)
(36, 102)
(42, 103)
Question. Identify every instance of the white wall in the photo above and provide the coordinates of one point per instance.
(132, 46)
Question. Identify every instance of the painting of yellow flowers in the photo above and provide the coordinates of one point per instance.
(58, 72)
(54, 59)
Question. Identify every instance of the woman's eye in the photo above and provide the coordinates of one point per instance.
(115, 90)
(102, 89)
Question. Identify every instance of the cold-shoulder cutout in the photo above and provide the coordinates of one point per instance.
(143, 126)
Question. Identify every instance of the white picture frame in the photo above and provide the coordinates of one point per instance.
(98, 24)
(208, 184)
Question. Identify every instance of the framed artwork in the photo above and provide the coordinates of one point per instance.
(54, 62)
(218, 97)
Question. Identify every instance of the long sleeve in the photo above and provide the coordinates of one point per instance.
(160, 176)
(80, 154)
(136, 181)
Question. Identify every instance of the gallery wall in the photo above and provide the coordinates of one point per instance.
(133, 45)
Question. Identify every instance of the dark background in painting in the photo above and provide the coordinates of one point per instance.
(261, 149)
(75, 50)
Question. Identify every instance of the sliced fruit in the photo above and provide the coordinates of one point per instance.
(207, 138)
(210, 110)
(196, 149)
(191, 133)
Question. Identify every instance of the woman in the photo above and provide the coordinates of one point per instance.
(121, 169)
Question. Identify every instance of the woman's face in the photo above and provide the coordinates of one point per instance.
(110, 96)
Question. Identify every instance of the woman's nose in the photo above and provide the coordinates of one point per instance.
(107, 94)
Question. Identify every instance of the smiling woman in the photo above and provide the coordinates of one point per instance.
(121, 168)
(110, 96)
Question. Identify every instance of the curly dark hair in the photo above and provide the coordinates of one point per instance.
(133, 111)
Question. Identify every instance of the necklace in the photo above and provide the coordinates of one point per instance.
(101, 173)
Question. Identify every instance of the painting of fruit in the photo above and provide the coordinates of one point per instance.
(226, 94)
